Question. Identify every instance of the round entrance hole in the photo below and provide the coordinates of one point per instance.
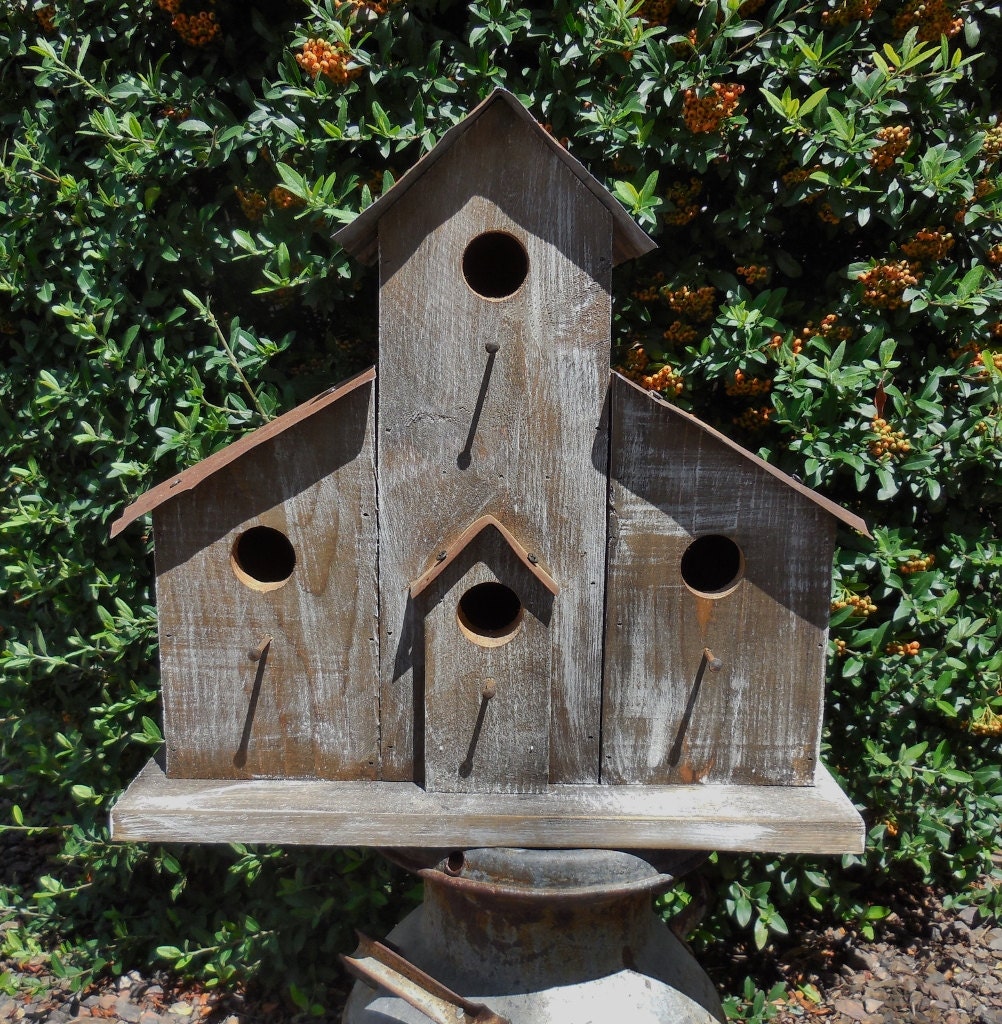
(495, 264)
(712, 565)
(489, 614)
(263, 558)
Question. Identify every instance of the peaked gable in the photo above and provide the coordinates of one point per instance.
(191, 477)
(837, 511)
(530, 561)
(360, 238)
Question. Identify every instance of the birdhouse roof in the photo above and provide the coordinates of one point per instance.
(841, 514)
(449, 555)
(360, 238)
(190, 478)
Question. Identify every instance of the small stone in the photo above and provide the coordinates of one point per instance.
(181, 1009)
(872, 1005)
(128, 1012)
(7, 1007)
(149, 1017)
(968, 916)
(153, 991)
(851, 1008)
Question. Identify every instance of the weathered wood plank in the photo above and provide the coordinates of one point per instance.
(308, 706)
(487, 718)
(520, 435)
(665, 718)
(814, 819)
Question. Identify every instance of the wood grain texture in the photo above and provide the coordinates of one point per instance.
(758, 719)
(474, 744)
(537, 458)
(308, 707)
(816, 819)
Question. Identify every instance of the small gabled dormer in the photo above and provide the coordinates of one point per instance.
(486, 606)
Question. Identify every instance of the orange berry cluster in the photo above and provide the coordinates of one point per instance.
(656, 12)
(321, 58)
(829, 329)
(753, 419)
(635, 362)
(281, 197)
(665, 380)
(893, 828)
(895, 139)
(979, 360)
(888, 442)
(691, 40)
(696, 303)
(170, 6)
(885, 284)
(703, 114)
(992, 146)
(995, 255)
(682, 196)
(827, 213)
(176, 113)
(776, 343)
(754, 273)
(650, 290)
(840, 648)
(791, 179)
(47, 18)
(680, 333)
(377, 7)
(908, 650)
(742, 385)
(252, 202)
(929, 244)
(859, 604)
(987, 723)
(934, 18)
(850, 10)
(196, 29)
(749, 7)
(917, 565)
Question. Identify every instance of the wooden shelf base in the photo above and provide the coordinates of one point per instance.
(766, 819)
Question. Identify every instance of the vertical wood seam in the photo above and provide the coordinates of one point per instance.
(378, 624)
(605, 579)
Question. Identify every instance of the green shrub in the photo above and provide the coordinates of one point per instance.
(823, 180)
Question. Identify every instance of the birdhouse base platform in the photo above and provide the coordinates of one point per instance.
(765, 819)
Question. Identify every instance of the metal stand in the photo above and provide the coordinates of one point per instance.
(534, 937)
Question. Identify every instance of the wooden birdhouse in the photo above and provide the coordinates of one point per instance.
(507, 597)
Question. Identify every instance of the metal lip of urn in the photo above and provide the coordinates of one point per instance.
(534, 936)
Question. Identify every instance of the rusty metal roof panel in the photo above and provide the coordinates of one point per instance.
(841, 514)
(361, 239)
(190, 478)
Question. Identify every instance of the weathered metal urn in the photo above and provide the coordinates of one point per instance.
(534, 935)
(497, 596)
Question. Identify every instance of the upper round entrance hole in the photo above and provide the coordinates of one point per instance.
(712, 565)
(495, 264)
(489, 614)
(263, 558)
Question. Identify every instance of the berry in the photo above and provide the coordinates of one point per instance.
(896, 139)
(929, 244)
(252, 202)
(656, 12)
(850, 10)
(860, 605)
(696, 303)
(680, 333)
(754, 273)
(281, 197)
(742, 385)
(884, 284)
(703, 114)
(196, 30)
(331, 61)
(887, 442)
(753, 419)
(683, 199)
(47, 18)
(934, 18)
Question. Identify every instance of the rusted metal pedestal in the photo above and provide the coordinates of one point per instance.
(535, 937)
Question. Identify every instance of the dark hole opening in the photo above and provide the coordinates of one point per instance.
(265, 555)
(711, 564)
(490, 610)
(495, 265)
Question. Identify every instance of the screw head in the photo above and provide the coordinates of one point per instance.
(492, 347)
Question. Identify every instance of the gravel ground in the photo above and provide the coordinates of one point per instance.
(926, 966)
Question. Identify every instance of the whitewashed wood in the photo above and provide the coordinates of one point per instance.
(309, 706)
(511, 752)
(816, 819)
(539, 457)
(758, 719)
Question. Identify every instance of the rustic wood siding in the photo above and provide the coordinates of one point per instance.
(500, 745)
(309, 706)
(757, 720)
(538, 458)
